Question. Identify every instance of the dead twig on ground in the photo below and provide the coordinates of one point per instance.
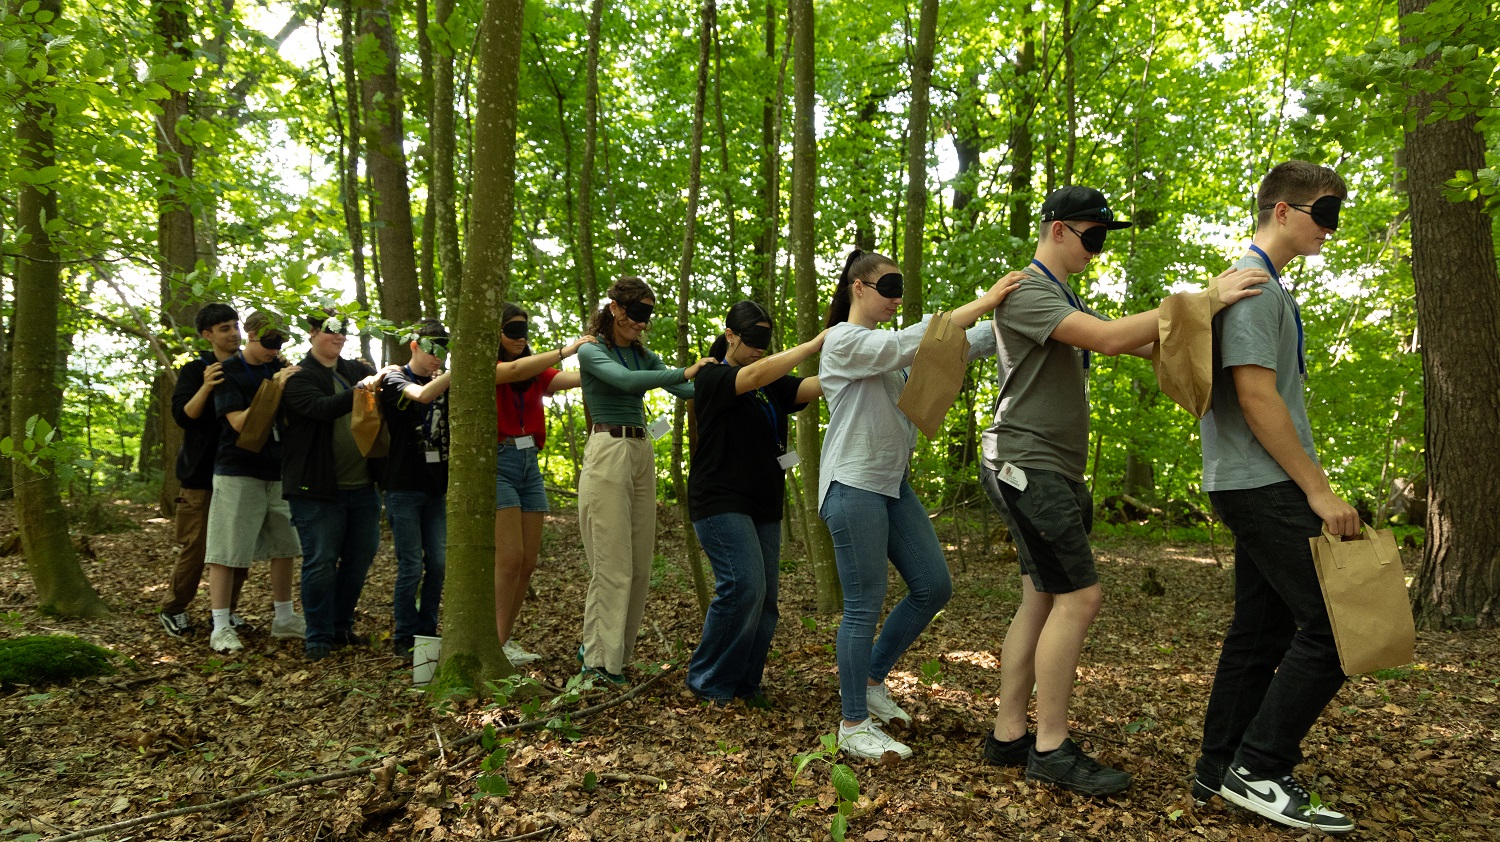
(362, 769)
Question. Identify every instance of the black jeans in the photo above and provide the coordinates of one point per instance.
(1279, 667)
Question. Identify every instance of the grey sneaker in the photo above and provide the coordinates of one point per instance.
(176, 625)
(293, 628)
(1280, 800)
(881, 706)
(866, 741)
(225, 640)
(1071, 769)
(518, 656)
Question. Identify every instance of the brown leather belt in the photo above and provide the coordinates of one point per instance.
(619, 431)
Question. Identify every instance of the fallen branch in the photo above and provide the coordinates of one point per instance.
(245, 798)
(535, 834)
(629, 778)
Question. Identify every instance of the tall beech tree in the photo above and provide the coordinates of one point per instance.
(472, 650)
(36, 401)
(1458, 306)
(915, 232)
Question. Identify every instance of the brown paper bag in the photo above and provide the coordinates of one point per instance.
(370, 433)
(937, 375)
(261, 417)
(1184, 353)
(1364, 589)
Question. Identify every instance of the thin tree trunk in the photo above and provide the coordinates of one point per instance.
(443, 134)
(916, 162)
(1458, 306)
(586, 268)
(732, 245)
(763, 282)
(967, 147)
(1021, 160)
(349, 158)
(427, 253)
(569, 200)
(803, 237)
(1070, 83)
(61, 585)
(867, 146)
(471, 649)
(684, 296)
(380, 89)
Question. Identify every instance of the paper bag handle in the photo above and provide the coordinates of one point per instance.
(1366, 533)
(943, 322)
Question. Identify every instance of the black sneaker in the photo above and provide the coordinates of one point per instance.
(1280, 800)
(343, 640)
(317, 652)
(1068, 767)
(1207, 778)
(403, 647)
(176, 625)
(1016, 752)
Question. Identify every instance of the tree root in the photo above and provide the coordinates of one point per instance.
(529, 725)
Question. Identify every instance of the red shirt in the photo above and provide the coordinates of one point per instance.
(520, 414)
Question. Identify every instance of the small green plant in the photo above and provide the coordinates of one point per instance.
(1392, 674)
(213, 665)
(1145, 723)
(491, 782)
(810, 623)
(13, 620)
(845, 784)
(932, 671)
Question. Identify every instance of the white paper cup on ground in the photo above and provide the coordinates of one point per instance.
(425, 653)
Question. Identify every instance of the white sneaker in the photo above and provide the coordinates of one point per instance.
(517, 656)
(866, 741)
(225, 640)
(293, 628)
(881, 706)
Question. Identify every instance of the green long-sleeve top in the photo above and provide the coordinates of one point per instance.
(614, 379)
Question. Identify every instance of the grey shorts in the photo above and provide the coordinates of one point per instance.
(1050, 522)
(249, 521)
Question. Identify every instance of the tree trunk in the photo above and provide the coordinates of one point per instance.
(729, 177)
(684, 296)
(443, 134)
(400, 300)
(471, 649)
(349, 158)
(427, 253)
(1021, 152)
(967, 146)
(569, 200)
(866, 141)
(175, 237)
(763, 276)
(61, 586)
(1070, 85)
(916, 162)
(803, 237)
(586, 270)
(1458, 308)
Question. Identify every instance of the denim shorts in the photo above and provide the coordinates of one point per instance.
(1050, 522)
(518, 480)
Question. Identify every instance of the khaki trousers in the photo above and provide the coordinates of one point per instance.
(192, 534)
(617, 516)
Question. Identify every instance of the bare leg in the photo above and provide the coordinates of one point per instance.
(220, 585)
(1057, 652)
(531, 545)
(510, 555)
(281, 579)
(1018, 661)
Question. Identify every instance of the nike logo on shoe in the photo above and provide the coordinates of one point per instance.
(1269, 793)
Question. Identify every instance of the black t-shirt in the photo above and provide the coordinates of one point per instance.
(416, 430)
(200, 436)
(740, 438)
(241, 380)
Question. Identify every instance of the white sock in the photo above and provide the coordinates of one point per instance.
(845, 729)
(283, 611)
(221, 618)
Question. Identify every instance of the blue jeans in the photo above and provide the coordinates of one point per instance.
(746, 557)
(419, 530)
(339, 538)
(867, 529)
(1279, 667)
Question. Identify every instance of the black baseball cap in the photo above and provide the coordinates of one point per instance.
(1083, 204)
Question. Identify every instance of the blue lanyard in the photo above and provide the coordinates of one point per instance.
(261, 371)
(1296, 311)
(622, 357)
(1077, 303)
(773, 418)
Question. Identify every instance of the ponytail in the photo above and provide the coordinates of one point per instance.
(838, 308)
(625, 290)
(858, 266)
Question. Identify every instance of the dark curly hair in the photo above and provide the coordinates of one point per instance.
(626, 290)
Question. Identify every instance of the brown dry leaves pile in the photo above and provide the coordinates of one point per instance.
(1415, 756)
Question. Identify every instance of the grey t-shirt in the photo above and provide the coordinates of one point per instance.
(1259, 330)
(1042, 417)
(869, 440)
(349, 464)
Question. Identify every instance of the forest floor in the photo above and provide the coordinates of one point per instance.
(1411, 755)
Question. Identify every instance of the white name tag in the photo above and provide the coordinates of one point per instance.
(525, 442)
(660, 427)
(275, 433)
(789, 460)
(434, 456)
(1012, 476)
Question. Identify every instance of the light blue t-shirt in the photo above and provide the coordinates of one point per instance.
(1259, 330)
